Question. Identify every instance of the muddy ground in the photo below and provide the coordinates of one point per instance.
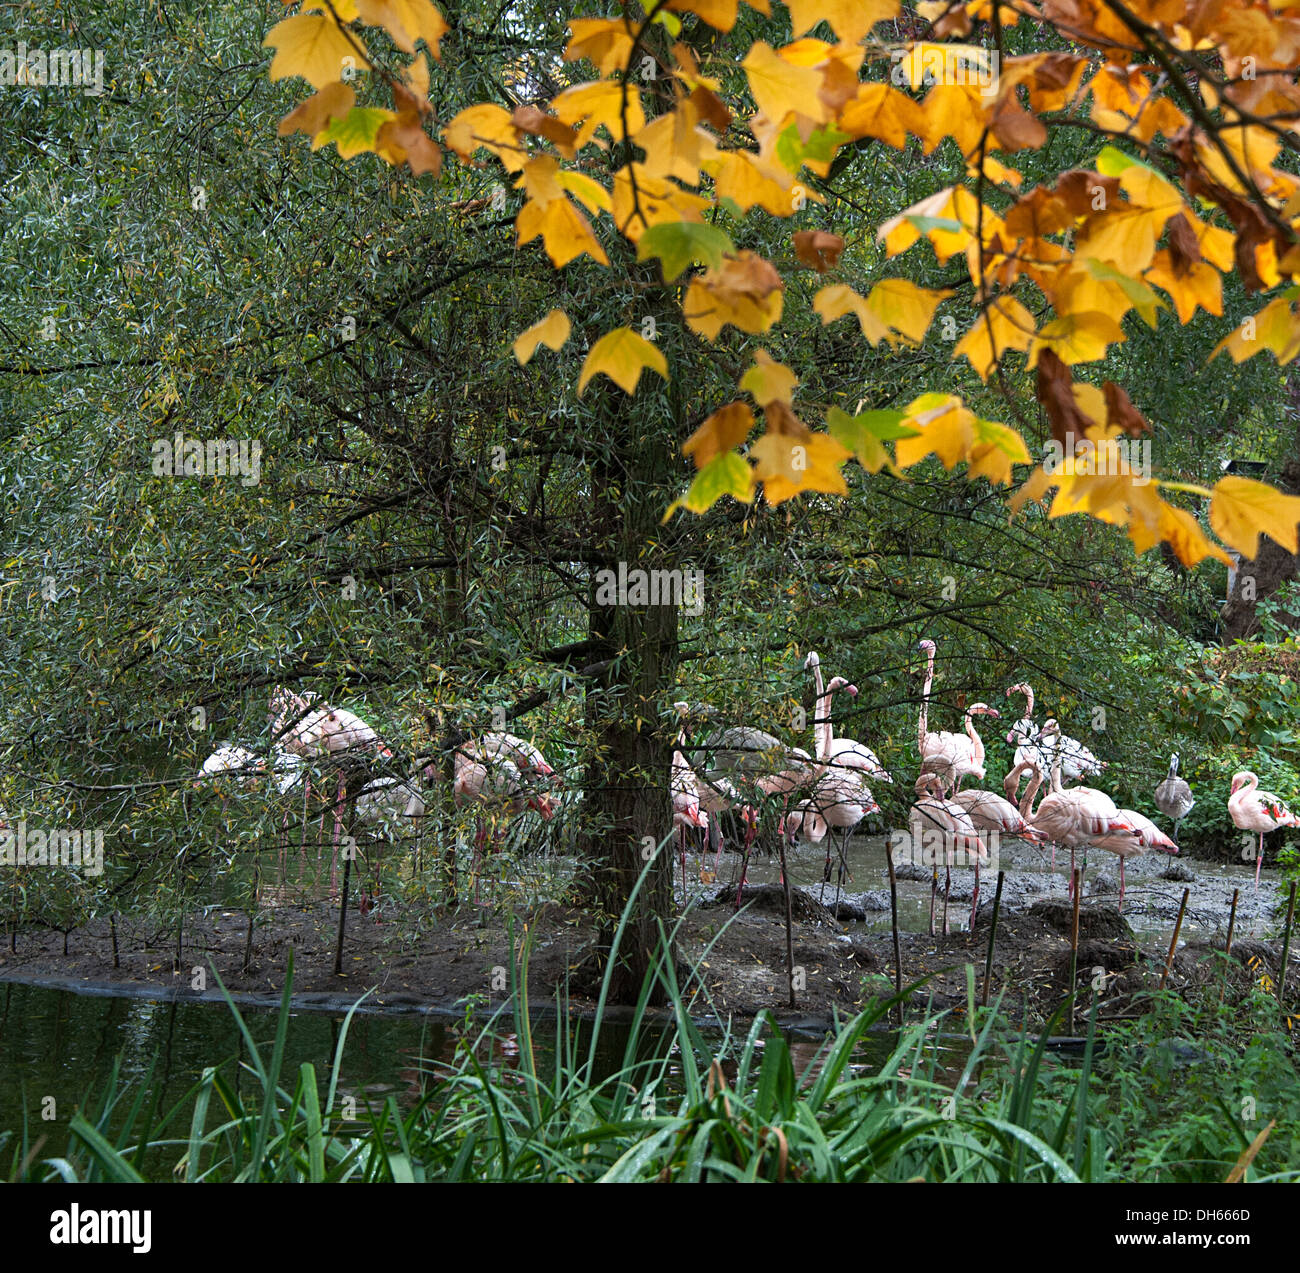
(434, 961)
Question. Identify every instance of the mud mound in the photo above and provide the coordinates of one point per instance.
(1096, 920)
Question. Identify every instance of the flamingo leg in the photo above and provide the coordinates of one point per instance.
(1071, 893)
(338, 831)
(1259, 860)
(975, 896)
(750, 828)
(947, 886)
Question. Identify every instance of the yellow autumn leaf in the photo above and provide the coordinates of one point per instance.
(406, 21)
(837, 299)
(564, 231)
(600, 104)
(849, 19)
(316, 112)
(781, 89)
(490, 127)
(1006, 324)
(1031, 491)
(746, 291)
(769, 381)
(312, 45)
(1275, 327)
(1241, 510)
(719, 433)
(996, 448)
(787, 465)
(725, 474)
(606, 41)
(944, 427)
(1076, 338)
(551, 331)
(622, 355)
(903, 306)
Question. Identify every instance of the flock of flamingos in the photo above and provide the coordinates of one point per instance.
(742, 770)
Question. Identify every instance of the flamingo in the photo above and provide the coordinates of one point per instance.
(1076, 760)
(685, 795)
(231, 758)
(1075, 816)
(931, 813)
(840, 800)
(525, 756)
(1173, 796)
(953, 757)
(1023, 736)
(1144, 836)
(1255, 810)
(844, 753)
(499, 788)
(306, 725)
(991, 812)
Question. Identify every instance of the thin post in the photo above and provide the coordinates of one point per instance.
(993, 936)
(789, 918)
(893, 922)
(343, 910)
(1286, 945)
(1227, 950)
(112, 930)
(1173, 941)
(1074, 939)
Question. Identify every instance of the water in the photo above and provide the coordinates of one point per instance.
(1150, 903)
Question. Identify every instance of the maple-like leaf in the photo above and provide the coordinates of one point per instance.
(551, 331)
(312, 115)
(1078, 338)
(600, 104)
(726, 474)
(788, 465)
(851, 20)
(780, 88)
(314, 46)
(406, 138)
(837, 299)
(606, 41)
(1006, 324)
(622, 355)
(769, 381)
(355, 132)
(406, 21)
(719, 433)
(1241, 510)
(866, 433)
(746, 291)
(678, 243)
(564, 231)
(944, 427)
(488, 126)
(904, 307)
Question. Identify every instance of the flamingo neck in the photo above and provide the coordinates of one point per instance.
(922, 727)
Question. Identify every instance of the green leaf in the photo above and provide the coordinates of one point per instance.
(728, 474)
(865, 433)
(678, 243)
(354, 132)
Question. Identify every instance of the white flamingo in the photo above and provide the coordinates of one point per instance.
(841, 753)
(1023, 737)
(1173, 796)
(953, 757)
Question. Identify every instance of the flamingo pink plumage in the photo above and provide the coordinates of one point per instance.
(841, 753)
(1259, 811)
(1144, 837)
(933, 812)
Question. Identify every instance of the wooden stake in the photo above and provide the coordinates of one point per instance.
(1232, 923)
(993, 936)
(789, 921)
(893, 921)
(1173, 941)
(1074, 940)
(1286, 945)
(343, 911)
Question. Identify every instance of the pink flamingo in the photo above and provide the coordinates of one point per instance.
(1126, 844)
(1075, 816)
(497, 786)
(991, 812)
(1255, 810)
(686, 800)
(954, 757)
(933, 813)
